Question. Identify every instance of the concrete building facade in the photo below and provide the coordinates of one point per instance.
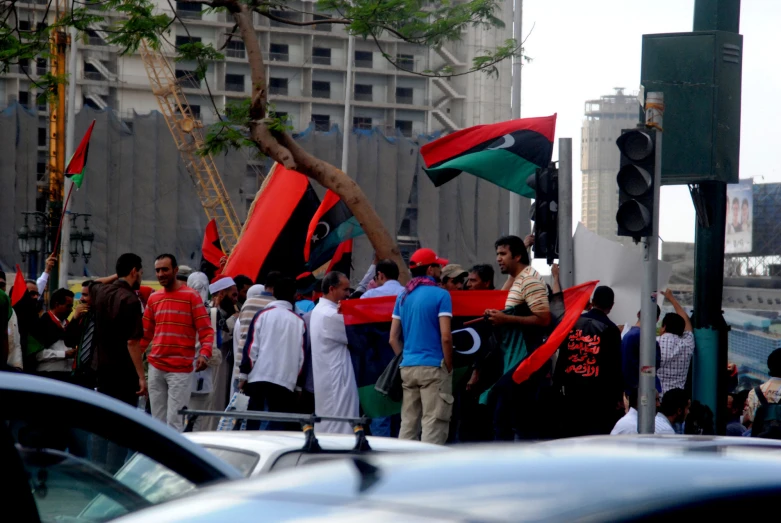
(599, 158)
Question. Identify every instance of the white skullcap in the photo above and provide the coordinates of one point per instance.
(224, 282)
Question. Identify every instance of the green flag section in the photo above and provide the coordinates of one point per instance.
(368, 331)
(504, 153)
(78, 162)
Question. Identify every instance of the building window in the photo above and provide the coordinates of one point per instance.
(42, 136)
(361, 122)
(321, 27)
(187, 10)
(363, 93)
(196, 111)
(234, 82)
(24, 99)
(24, 65)
(284, 15)
(404, 95)
(186, 78)
(322, 122)
(277, 86)
(405, 127)
(406, 61)
(236, 49)
(41, 66)
(279, 53)
(93, 38)
(321, 56)
(321, 89)
(364, 59)
(24, 25)
(182, 40)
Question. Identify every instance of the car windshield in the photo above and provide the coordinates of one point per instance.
(243, 460)
(63, 485)
(144, 476)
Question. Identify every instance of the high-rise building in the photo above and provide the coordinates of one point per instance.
(305, 67)
(599, 158)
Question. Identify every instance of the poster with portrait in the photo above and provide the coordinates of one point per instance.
(740, 217)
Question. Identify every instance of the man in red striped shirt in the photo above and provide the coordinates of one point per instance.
(172, 317)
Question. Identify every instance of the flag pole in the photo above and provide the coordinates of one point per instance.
(347, 97)
(70, 131)
(515, 199)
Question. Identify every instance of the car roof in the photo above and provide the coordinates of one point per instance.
(269, 444)
(22, 383)
(565, 481)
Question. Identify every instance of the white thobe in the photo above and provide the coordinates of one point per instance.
(336, 393)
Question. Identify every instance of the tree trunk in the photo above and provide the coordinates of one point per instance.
(282, 148)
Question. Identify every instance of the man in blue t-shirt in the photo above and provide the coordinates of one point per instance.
(421, 330)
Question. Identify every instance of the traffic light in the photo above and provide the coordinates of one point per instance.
(636, 183)
(545, 212)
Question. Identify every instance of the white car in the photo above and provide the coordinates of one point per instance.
(255, 452)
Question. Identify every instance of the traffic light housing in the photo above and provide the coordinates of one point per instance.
(545, 212)
(635, 216)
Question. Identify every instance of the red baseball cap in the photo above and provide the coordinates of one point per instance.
(423, 257)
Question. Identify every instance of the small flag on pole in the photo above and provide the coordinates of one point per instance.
(19, 287)
(78, 162)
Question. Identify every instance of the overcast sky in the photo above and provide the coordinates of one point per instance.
(582, 49)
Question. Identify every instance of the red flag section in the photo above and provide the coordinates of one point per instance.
(78, 161)
(211, 251)
(275, 232)
(19, 287)
(575, 300)
(342, 260)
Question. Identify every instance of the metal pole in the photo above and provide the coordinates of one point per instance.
(646, 396)
(70, 142)
(348, 93)
(566, 255)
(515, 199)
(710, 331)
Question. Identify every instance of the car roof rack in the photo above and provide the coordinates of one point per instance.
(307, 422)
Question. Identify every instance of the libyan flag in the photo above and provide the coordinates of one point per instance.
(211, 251)
(367, 322)
(505, 153)
(275, 231)
(332, 225)
(368, 330)
(78, 162)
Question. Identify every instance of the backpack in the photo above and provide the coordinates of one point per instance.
(767, 420)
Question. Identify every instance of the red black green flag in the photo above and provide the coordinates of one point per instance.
(211, 251)
(78, 162)
(368, 331)
(332, 224)
(504, 153)
(20, 287)
(274, 234)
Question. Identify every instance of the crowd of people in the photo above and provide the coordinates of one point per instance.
(196, 343)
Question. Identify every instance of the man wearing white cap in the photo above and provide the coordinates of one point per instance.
(225, 296)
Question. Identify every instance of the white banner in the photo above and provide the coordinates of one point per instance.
(617, 266)
(740, 217)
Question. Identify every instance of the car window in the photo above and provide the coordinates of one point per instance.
(243, 460)
(133, 474)
(63, 485)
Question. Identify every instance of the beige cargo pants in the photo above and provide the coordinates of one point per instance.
(427, 401)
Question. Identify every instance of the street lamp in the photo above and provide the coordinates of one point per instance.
(23, 239)
(87, 237)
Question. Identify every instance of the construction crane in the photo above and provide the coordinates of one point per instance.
(186, 130)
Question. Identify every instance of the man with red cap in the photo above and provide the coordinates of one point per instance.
(420, 329)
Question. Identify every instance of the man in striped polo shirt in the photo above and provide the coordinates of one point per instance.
(172, 317)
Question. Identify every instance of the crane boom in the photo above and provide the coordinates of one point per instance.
(186, 130)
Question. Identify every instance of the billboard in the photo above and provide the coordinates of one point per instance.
(740, 218)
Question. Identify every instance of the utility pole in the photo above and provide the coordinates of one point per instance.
(566, 252)
(516, 199)
(710, 331)
(348, 93)
(70, 141)
(646, 394)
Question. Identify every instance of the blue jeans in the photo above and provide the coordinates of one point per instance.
(386, 427)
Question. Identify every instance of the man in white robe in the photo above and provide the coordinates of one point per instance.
(336, 393)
